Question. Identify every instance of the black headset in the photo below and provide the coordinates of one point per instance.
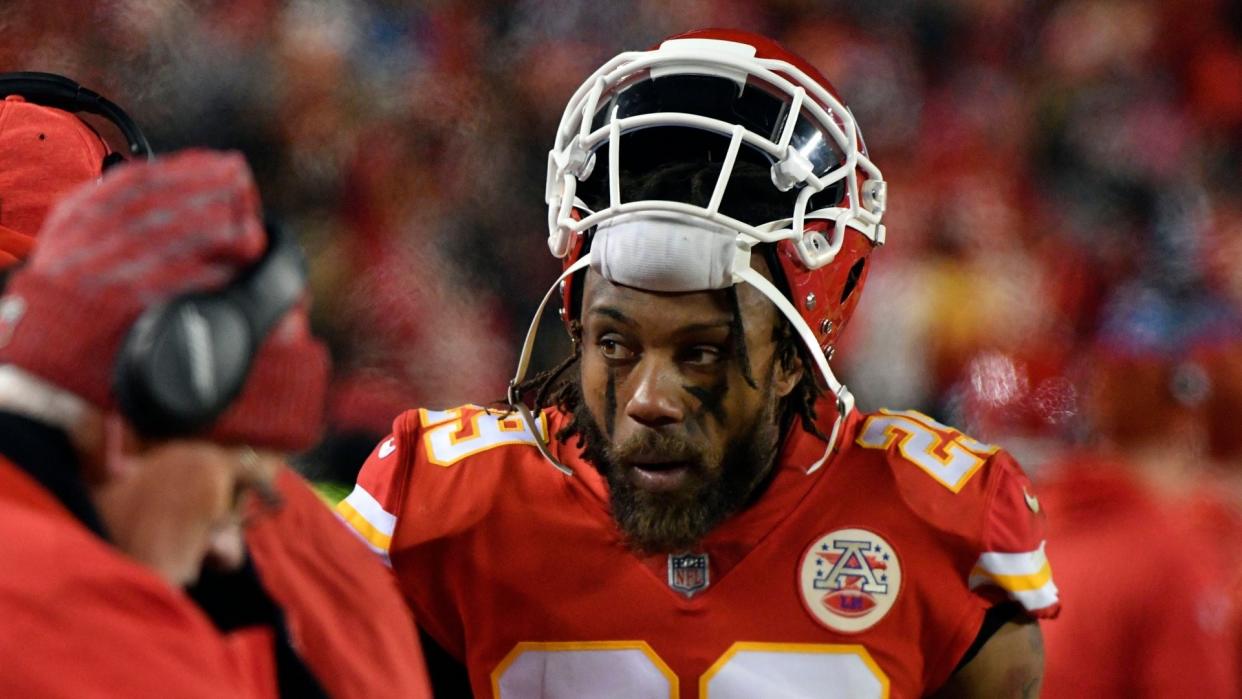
(51, 90)
(186, 359)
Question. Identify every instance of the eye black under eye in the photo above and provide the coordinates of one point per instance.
(704, 355)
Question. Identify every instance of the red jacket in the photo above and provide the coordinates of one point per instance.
(341, 605)
(79, 619)
(1151, 598)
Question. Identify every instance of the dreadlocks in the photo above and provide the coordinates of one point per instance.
(558, 387)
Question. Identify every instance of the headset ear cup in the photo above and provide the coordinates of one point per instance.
(129, 382)
(182, 365)
(185, 361)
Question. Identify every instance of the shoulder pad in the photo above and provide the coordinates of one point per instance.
(949, 457)
(977, 493)
(423, 480)
(448, 436)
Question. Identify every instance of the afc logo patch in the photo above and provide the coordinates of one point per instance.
(849, 579)
(688, 573)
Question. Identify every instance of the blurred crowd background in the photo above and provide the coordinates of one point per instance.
(1064, 258)
(1055, 167)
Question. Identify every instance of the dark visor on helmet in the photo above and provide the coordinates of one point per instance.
(687, 149)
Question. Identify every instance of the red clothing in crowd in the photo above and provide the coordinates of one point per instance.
(1214, 511)
(1151, 600)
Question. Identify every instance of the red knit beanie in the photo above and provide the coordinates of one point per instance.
(146, 233)
(44, 152)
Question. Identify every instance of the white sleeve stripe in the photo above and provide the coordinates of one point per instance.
(384, 558)
(1025, 563)
(370, 509)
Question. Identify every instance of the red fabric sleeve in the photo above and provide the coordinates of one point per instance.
(342, 606)
(1013, 563)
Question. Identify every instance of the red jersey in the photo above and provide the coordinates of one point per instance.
(79, 619)
(1158, 597)
(1214, 513)
(868, 577)
(342, 609)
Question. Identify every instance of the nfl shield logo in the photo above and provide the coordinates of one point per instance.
(687, 572)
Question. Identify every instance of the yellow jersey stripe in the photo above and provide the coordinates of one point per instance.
(1015, 583)
(365, 529)
(1035, 600)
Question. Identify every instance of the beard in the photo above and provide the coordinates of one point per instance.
(719, 483)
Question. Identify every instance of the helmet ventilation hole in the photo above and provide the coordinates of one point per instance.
(851, 282)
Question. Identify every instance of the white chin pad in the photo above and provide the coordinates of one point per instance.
(657, 253)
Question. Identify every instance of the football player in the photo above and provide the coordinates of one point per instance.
(689, 505)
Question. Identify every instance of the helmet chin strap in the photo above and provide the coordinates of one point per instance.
(528, 346)
(845, 399)
(741, 272)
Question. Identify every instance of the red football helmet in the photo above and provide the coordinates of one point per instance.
(718, 96)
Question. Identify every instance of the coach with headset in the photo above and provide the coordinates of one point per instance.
(103, 521)
(156, 366)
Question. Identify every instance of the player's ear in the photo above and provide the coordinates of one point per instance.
(786, 373)
(119, 445)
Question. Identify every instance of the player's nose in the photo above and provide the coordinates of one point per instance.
(656, 397)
